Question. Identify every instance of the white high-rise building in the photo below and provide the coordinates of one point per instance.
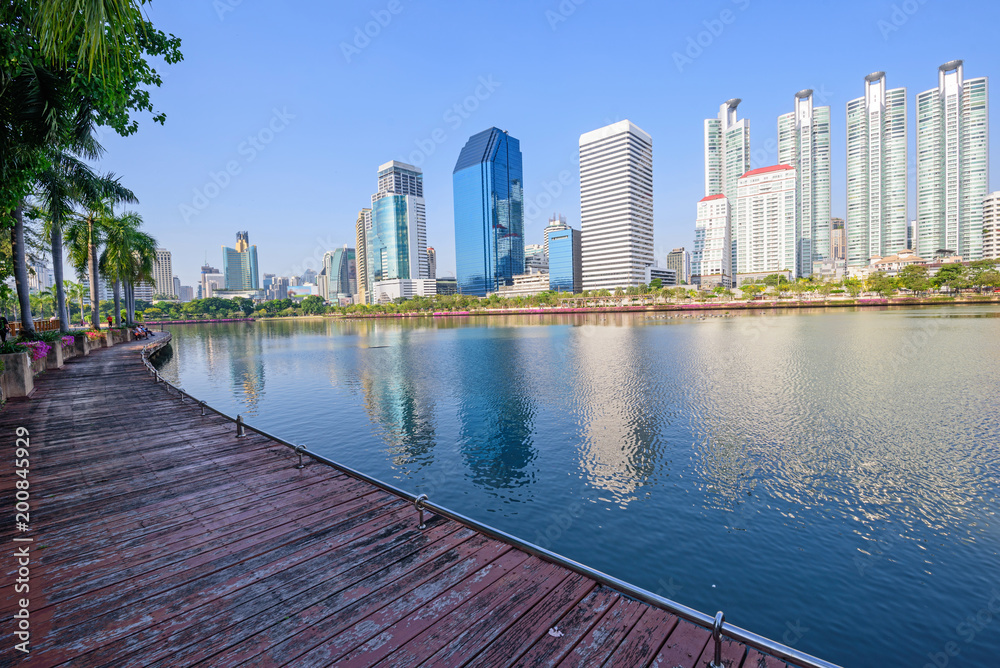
(953, 164)
(727, 157)
(616, 206)
(804, 144)
(991, 226)
(397, 239)
(876, 172)
(767, 222)
(163, 273)
(557, 223)
(711, 261)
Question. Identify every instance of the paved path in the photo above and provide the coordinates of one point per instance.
(159, 539)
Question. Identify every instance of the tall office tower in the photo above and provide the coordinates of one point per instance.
(340, 268)
(39, 274)
(711, 261)
(186, 293)
(876, 172)
(397, 240)
(432, 262)
(207, 271)
(804, 144)
(727, 157)
(838, 240)
(565, 266)
(177, 287)
(616, 206)
(991, 226)
(163, 273)
(953, 164)
(767, 222)
(489, 213)
(361, 229)
(556, 223)
(239, 265)
(680, 261)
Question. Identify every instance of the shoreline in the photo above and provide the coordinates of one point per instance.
(757, 305)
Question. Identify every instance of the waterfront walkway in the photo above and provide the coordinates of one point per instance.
(160, 539)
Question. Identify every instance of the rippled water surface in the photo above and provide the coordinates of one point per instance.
(827, 479)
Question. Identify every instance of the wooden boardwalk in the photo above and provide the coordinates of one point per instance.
(162, 540)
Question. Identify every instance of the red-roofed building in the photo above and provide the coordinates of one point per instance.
(767, 231)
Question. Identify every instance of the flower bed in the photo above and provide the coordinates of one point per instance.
(67, 341)
(38, 350)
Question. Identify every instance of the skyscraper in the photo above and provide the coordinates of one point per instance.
(431, 262)
(396, 243)
(953, 164)
(565, 265)
(876, 172)
(991, 226)
(616, 205)
(804, 145)
(489, 212)
(239, 265)
(211, 279)
(340, 269)
(556, 223)
(680, 261)
(361, 229)
(163, 273)
(767, 222)
(838, 240)
(727, 158)
(711, 261)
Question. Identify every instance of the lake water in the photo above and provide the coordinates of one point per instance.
(829, 479)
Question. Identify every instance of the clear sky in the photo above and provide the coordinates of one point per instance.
(293, 112)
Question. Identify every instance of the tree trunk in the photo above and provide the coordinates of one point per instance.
(118, 307)
(129, 306)
(21, 270)
(57, 275)
(95, 303)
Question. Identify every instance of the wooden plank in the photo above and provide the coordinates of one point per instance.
(644, 640)
(550, 649)
(606, 635)
(683, 647)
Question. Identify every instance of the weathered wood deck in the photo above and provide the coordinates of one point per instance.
(162, 540)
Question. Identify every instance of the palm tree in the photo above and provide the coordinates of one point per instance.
(127, 259)
(74, 292)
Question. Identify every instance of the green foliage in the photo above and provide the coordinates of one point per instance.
(913, 277)
(882, 284)
(953, 276)
(313, 305)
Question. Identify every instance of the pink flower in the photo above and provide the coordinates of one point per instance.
(38, 350)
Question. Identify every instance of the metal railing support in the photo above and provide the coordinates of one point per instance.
(202, 404)
(720, 619)
(298, 451)
(418, 503)
(240, 431)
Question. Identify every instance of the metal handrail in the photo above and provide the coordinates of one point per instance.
(717, 624)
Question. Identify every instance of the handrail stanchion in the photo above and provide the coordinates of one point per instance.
(418, 503)
(720, 619)
(202, 404)
(298, 451)
(240, 432)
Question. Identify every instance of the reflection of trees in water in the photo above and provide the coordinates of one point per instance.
(496, 410)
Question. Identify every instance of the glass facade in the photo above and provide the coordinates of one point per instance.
(564, 261)
(239, 266)
(388, 239)
(341, 273)
(489, 213)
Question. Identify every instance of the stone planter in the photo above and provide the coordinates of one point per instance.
(17, 379)
(109, 338)
(54, 360)
(81, 344)
(38, 366)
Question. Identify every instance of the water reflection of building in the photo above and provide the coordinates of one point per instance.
(398, 395)
(622, 406)
(246, 367)
(496, 411)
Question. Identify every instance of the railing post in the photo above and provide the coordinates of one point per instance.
(418, 503)
(157, 374)
(240, 432)
(298, 451)
(202, 404)
(717, 637)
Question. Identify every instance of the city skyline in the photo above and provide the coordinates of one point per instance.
(312, 155)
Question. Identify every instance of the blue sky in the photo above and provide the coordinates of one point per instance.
(277, 120)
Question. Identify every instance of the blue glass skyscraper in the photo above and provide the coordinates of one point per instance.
(489, 213)
(565, 273)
